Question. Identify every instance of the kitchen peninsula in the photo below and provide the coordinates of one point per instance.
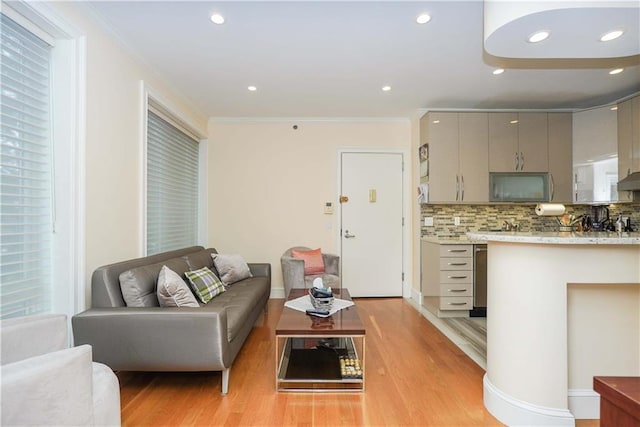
(562, 308)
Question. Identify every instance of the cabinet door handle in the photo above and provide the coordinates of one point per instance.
(457, 303)
(457, 263)
(521, 160)
(457, 187)
(457, 277)
(462, 187)
(553, 186)
(456, 250)
(517, 161)
(456, 290)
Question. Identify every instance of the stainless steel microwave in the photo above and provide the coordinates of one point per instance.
(519, 187)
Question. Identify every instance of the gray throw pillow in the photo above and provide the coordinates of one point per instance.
(173, 291)
(232, 268)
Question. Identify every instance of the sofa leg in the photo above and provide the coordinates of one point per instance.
(225, 381)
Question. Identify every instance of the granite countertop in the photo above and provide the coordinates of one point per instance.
(557, 238)
(452, 240)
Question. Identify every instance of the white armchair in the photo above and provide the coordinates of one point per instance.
(44, 382)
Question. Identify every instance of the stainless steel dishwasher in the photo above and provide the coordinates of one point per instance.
(479, 281)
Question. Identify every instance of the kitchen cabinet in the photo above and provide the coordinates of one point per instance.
(458, 156)
(447, 278)
(595, 155)
(628, 141)
(560, 143)
(518, 142)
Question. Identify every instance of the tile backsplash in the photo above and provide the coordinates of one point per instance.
(488, 217)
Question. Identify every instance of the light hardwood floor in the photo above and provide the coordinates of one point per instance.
(415, 376)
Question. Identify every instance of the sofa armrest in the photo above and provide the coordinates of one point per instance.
(51, 389)
(156, 338)
(29, 336)
(331, 264)
(260, 269)
(292, 273)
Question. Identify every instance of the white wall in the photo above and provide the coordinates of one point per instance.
(114, 123)
(268, 182)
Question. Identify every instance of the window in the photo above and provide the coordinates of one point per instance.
(26, 170)
(172, 185)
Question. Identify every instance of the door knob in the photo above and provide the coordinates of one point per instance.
(347, 235)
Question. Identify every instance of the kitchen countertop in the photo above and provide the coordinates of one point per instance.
(557, 238)
(452, 240)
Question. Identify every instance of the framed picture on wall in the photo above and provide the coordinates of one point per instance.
(424, 160)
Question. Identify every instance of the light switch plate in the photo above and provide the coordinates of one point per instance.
(428, 221)
(456, 220)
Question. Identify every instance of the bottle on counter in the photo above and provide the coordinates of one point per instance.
(619, 224)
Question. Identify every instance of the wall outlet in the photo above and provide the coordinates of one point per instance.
(456, 220)
(428, 221)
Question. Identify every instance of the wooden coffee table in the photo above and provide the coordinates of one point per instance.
(320, 354)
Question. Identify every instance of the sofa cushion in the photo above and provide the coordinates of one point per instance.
(232, 268)
(205, 284)
(173, 291)
(313, 261)
(138, 285)
(201, 259)
(240, 300)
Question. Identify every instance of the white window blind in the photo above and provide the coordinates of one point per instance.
(25, 190)
(172, 187)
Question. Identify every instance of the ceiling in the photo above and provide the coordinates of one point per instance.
(330, 59)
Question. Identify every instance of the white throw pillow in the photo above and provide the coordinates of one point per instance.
(232, 268)
(173, 291)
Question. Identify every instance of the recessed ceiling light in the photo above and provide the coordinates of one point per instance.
(216, 18)
(513, 122)
(498, 71)
(436, 121)
(616, 71)
(612, 35)
(252, 88)
(423, 18)
(538, 36)
(614, 108)
(386, 88)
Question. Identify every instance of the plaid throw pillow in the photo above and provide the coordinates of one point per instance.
(205, 284)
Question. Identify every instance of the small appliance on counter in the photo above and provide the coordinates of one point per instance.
(600, 220)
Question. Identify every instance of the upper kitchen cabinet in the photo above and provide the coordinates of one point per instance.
(560, 127)
(595, 155)
(458, 156)
(518, 142)
(474, 157)
(628, 141)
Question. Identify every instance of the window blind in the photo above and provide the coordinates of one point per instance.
(26, 185)
(172, 187)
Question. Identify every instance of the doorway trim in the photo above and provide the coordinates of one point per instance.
(406, 209)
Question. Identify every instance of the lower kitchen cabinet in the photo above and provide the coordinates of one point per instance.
(447, 278)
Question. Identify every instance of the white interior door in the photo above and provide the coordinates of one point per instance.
(371, 223)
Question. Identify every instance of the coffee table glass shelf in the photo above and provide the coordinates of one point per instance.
(320, 354)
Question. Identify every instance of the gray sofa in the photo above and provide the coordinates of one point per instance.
(154, 338)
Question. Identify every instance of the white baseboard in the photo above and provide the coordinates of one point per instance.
(514, 412)
(584, 404)
(416, 296)
(277, 293)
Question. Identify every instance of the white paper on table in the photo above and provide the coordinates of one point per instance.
(303, 304)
